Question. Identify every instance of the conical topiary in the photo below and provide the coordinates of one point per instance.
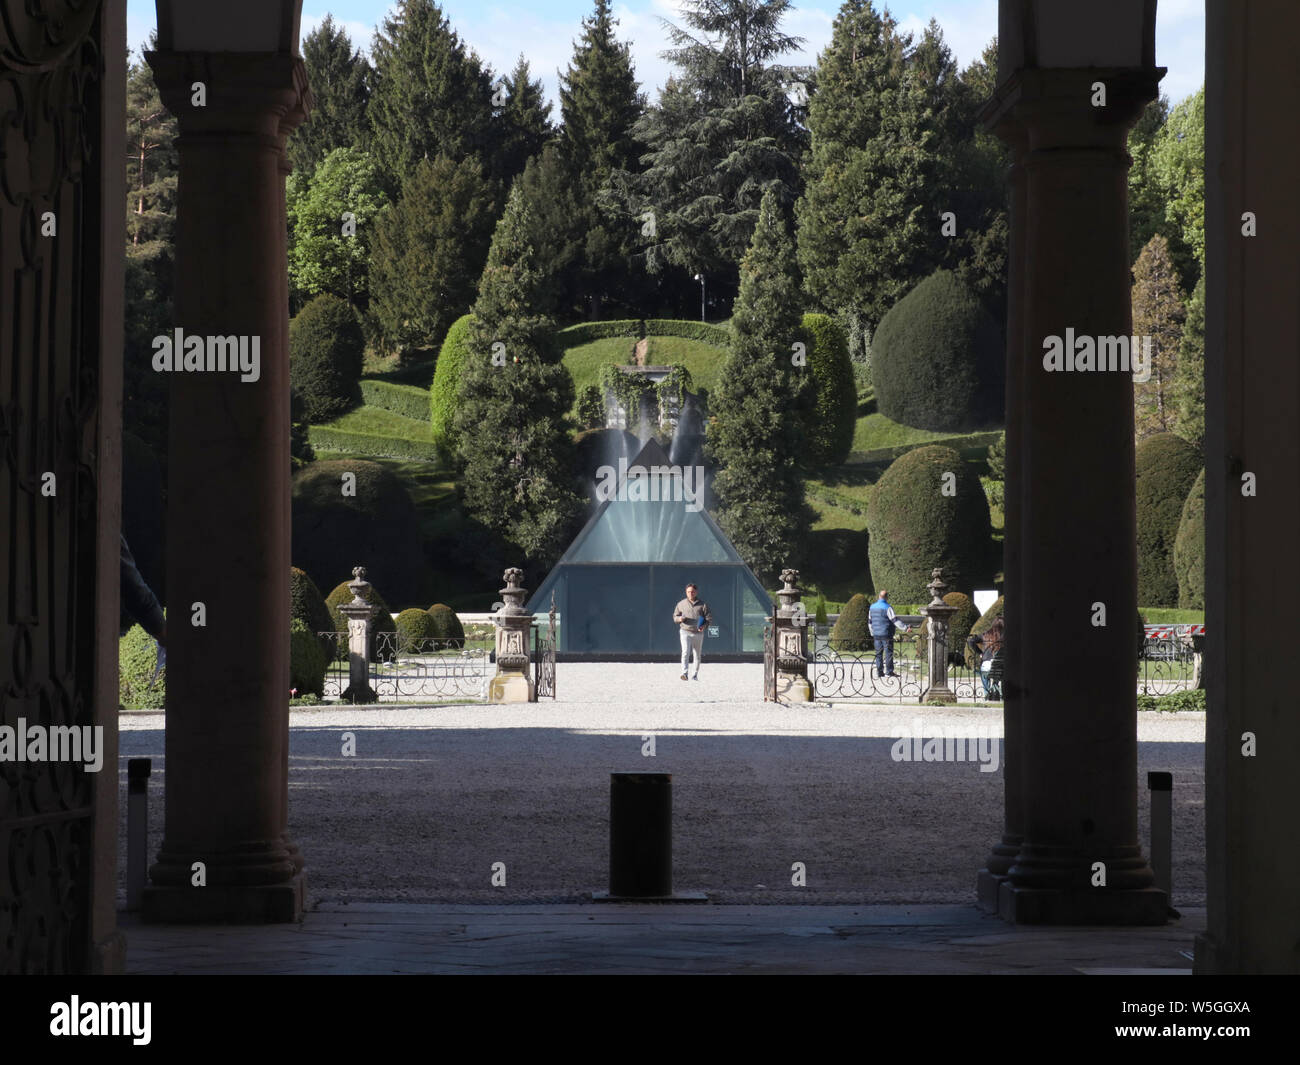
(852, 631)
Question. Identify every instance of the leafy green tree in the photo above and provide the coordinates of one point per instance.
(1178, 160)
(429, 249)
(1158, 313)
(523, 123)
(332, 216)
(1146, 202)
(723, 132)
(339, 76)
(1189, 378)
(757, 407)
(514, 394)
(431, 96)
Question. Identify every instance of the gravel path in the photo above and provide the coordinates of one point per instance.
(435, 796)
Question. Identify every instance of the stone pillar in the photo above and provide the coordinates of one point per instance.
(939, 614)
(1079, 860)
(513, 682)
(791, 623)
(360, 614)
(228, 542)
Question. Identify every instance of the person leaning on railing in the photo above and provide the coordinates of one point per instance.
(989, 648)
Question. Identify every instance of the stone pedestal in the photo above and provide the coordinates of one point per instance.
(513, 682)
(791, 622)
(939, 615)
(228, 491)
(360, 614)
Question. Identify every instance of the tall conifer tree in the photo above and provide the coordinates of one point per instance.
(339, 76)
(523, 123)
(1158, 313)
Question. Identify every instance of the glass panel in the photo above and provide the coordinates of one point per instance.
(651, 531)
(605, 608)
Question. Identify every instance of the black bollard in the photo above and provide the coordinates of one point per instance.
(640, 835)
(1161, 786)
(137, 828)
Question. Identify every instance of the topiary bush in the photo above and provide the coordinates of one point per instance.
(326, 350)
(383, 619)
(137, 655)
(413, 627)
(913, 526)
(307, 605)
(446, 385)
(447, 626)
(308, 661)
(937, 359)
(959, 625)
(852, 630)
(833, 411)
(377, 527)
(1189, 548)
(1166, 467)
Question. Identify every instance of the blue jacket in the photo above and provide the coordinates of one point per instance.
(882, 619)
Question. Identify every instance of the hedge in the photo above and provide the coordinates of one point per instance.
(586, 332)
(444, 393)
(833, 411)
(966, 443)
(1189, 548)
(326, 350)
(913, 527)
(406, 400)
(373, 445)
(1167, 467)
(937, 359)
(308, 661)
(717, 335)
(137, 655)
(413, 626)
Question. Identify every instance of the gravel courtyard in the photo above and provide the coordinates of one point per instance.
(434, 796)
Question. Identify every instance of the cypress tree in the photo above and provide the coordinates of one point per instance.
(1189, 378)
(523, 124)
(514, 394)
(1158, 312)
(339, 76)
(757, 406)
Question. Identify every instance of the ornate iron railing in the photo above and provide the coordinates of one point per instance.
(837, 671)
(544, 644)
(409, 668)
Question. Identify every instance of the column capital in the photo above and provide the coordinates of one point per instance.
(244, 92)
(1039, 107)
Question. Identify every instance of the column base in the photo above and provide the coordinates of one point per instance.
(510, 688)
(356, 695)
(261, 904)
(938, 696)
(792, 688)
(987, 886)
(1063, 906)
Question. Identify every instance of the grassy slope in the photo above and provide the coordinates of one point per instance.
(585, 360)
(380, 422)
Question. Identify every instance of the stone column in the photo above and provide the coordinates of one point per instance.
(1079, 861)
(360, 614)
(939, 614)
(228, 542)
(791, 623)
(513, 682)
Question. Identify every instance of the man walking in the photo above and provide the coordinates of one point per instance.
(692, 615)
(883, 623)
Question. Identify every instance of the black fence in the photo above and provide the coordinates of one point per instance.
(416, 669)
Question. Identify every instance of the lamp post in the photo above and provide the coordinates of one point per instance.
(700, 279)
(231, 75)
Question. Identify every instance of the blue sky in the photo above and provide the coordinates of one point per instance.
(544, 30)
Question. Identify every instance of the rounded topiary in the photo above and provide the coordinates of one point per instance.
(833, 408)
(852, 630)
(307, 605)
(1189, 548)
(914, 524)
(937, 359)
(980, 627)
(959, 624)
(383, 619)
(308, 661)
(447, 626)
(443, 393)
(1166, 467)
(414, 627)
(377, 528)
(326, 350)
(137, 655)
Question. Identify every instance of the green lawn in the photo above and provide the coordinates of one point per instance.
(584, 362)
(876, 431)
(379, 422)
(703, 361)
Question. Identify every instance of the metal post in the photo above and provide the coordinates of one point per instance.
(641, 835)
(1162, 792)
(137, 828)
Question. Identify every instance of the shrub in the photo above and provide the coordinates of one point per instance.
(383, 620)
(1166, 466)
(308, 606)
(913, 526)
(326, 349)
(717, 335)
(307, 659)
(406, 400)
(377, 527)
(586, 332)
(1189, 548)
(852, 631)
(413, 626)
(959, 625)
(937, 360)
(833, 411)
(446, 385)
(137, 655)
(446, 625)
(591, 408)
(1174, 702)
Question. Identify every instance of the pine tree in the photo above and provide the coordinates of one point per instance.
(430, 95)
(152, 163)
(339, 76)
(429, 250)
(1189, 379)
(558, 229)
(523, 123)
(1146, 202)
(755, 432)
(514, 395)
(724, 131)
(1158, 313)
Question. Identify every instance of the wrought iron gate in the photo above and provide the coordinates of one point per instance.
(769, 662)
(544, 657)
